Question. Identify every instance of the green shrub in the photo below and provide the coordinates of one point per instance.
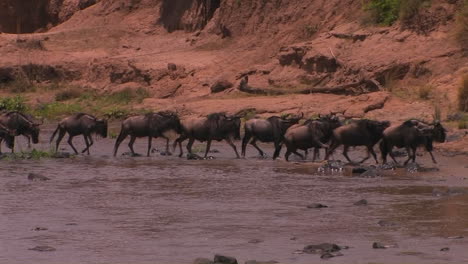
(463, 95)
(16, 103)
(57, 109)
(67, 95)
(116, 113)
(384, 12)
(425, 92)
(127, 95)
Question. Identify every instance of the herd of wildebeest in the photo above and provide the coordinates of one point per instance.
(328, 132)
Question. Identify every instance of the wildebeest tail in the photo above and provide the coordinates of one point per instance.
(53, 134)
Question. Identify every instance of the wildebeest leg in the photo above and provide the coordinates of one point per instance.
(189, 146)
(299, 154)
(229, 141)
(316, 153)
(119, 140)
(208, 146)
(414, 153)
(332, 148)
(254, 143)
(87, 144)
(345, 153)
(432, 156)
(70, 138)
(179, 140)
(278, 146)
(59, 138)
(408, 150)
(167, 145)
(245, 141)
(150, 139)
(130, 144)
(371, 150)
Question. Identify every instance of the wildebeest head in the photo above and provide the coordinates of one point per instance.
(8, 135)
(233, 122)
(100, 127)
(439, 132)
(292, 119)
(172, 121)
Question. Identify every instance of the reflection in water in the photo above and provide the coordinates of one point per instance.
(100, 209)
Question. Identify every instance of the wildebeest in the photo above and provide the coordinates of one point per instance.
(217, 126)
(21, 124)
(270, 130)
(80, 124)
(151, 125)
(411, 134)
(359, 133)
(8, 135)
(312, 134)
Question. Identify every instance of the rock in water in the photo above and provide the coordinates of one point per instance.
(202, 261)
(261, 262)
(361, 202)
(378, 245)
(321, 248)
(42, 248)
(191, 156)
(37, 177)
(220, 259)
(316, 206)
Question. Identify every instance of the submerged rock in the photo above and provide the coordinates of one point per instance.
(321, 248)
(221, 259)
(361, 202)
(255, 241)
(42, 248)
(130, 154)
(378, 245)
(371, 173)
(37, 177)
(451, 191)
(164, 153)
(192, 156)
(316, 206)
(261, 262)
(331, 255)
(202, 261)
(385, 223)
(445, 249)
(40, 228)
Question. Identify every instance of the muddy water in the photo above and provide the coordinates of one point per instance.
(101, 209)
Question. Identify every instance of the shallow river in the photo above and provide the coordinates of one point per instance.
(100, 209)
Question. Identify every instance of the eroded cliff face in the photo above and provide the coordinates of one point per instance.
(27, 16)
(282, 46)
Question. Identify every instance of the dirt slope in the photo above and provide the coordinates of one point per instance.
(285, 46)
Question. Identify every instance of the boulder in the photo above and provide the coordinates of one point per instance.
(37, 177)
(220, 86)
(202, 261)
(221, 259)
(321, 248)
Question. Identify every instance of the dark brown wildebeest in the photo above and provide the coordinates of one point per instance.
(151, 125)
(312, 134)
(80, 124)
(270, 130)
(410, 135)
(359, 133)
(217, 126)
(7, 135)
(21, 124)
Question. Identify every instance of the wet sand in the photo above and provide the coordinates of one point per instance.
(165, 209)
